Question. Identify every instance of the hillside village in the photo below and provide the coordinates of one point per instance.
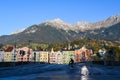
(62, 56)
(25, 54)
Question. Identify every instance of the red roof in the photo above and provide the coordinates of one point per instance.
(9, 49)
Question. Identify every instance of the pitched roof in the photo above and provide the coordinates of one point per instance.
(9, 49)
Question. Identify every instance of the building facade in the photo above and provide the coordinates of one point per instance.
(44, 56)
(52, 57)
(9, 54)
(55, 57)
(24, 54)
(66, 55)
(1, 56)
(36, 56)
(59, 57)
(83, 54)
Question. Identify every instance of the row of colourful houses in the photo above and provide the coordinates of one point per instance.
(25, 54)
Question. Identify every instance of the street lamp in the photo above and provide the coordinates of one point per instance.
(34, 57)
(15, 52)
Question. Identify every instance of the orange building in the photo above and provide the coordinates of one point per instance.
(83, 54)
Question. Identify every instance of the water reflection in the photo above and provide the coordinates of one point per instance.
(84, 78)
(84, 73)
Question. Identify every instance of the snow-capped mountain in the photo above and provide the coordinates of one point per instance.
(18, 31)
(82, 26)
(58, 23)
(58, 31)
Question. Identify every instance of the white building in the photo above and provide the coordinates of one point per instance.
(102, 53)
(59, 57)
(52, 57)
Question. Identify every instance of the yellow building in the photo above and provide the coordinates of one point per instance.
(44, 56)
(9, 55)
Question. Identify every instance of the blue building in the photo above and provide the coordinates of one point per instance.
(1, 56)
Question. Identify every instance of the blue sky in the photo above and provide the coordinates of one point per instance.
(19, 14)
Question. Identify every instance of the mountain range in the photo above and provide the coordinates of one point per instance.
(56, 30)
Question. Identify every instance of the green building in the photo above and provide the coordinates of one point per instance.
(36, 56)
(67, 55)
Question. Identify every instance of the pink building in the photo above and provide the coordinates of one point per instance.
(52, 57)
(24, 54)
(55, 57)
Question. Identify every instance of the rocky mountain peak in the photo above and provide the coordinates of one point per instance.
(18, 31)
(57, 20)
(59, 24)
(82, 26)
(114, 19)
(58, 31)
(79, 26)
